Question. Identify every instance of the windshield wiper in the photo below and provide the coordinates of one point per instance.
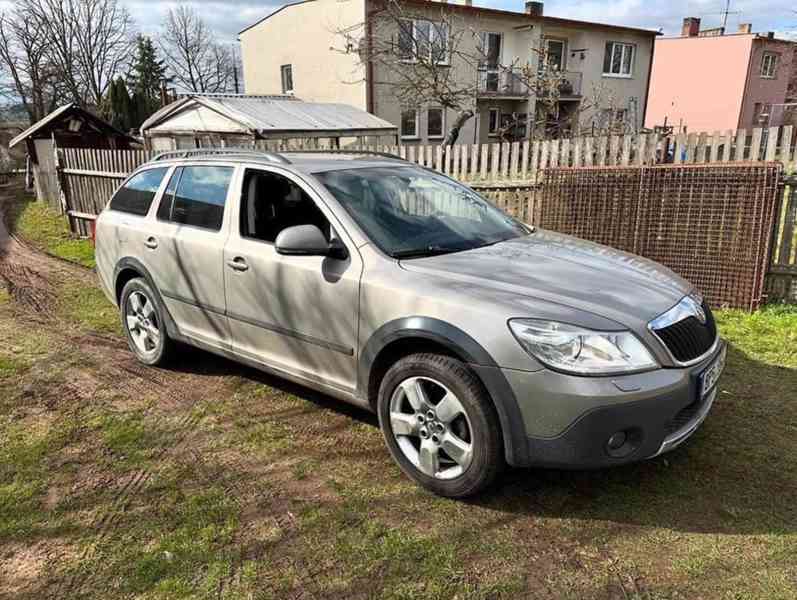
(432, 250)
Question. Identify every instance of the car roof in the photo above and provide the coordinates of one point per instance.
(303, 161)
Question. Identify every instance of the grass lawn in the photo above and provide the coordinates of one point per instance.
(209, 480)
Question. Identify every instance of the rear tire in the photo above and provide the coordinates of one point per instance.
(440, 425)
(143, 323)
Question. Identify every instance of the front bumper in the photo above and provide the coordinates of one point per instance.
(655, 411)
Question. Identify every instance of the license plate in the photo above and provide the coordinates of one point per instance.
(709, 377)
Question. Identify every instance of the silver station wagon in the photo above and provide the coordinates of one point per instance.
(479, 341)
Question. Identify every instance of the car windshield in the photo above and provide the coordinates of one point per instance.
(412, 212)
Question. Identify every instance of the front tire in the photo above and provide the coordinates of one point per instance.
(440, 425)
(143, 323)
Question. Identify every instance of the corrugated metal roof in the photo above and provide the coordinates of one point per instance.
(269, 115)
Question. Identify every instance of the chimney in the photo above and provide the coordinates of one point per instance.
(691, 27)
(468, 2)
(534, 9)
(745, 28)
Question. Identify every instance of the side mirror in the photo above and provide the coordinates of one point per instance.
(307, 240)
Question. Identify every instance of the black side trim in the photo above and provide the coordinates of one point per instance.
(294, 334)
(470, 351)
(309, 339)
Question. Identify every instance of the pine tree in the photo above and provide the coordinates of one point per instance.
(144, 80)
(119, 107)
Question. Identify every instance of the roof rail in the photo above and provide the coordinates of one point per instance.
(272, 156)
(337, 151)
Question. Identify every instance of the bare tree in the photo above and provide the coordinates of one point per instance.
(195, 58)
(442, 59)
(31, 77)
(88, 41)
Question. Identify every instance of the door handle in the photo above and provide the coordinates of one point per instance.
(238, 264)
(151, 243)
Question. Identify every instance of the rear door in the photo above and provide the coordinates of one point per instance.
(294, 313)
(187, 250)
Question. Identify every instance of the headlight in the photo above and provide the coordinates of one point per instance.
(581, 351)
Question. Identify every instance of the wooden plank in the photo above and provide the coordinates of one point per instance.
(544, 151)
(535, 158)
(474, 161)
(411, 153)
(564, 152)
(588, 149)
(554, 154)
(524, 160)
(603, 142)
(484, 157)
(772, 144)
(465, 166)
(678, 149)
(577, 152)
(505, 160)
(727, 146)
(785, 144)
(755, 146)
(614, 150)
(739, 152)
(448, 153)
(625, 159)
(495, 150)
(787, 236)
(654, 141)
(641, 148)
(691, 148)
(455, 161)
(438, 159)
(514, 159)
(92, 173)
(700, 148)
(715, 147)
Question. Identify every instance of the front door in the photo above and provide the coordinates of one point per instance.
(188, 239)
(294, 313)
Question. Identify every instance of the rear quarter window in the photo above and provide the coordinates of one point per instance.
(136, 195)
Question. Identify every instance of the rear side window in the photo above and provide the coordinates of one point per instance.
(201, 195)
(165, 208)
(135, 196)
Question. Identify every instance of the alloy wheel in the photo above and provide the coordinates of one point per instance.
(431, 427)
(142, 322)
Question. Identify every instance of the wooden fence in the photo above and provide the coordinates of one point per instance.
(507, 174)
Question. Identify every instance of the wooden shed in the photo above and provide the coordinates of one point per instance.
(269, 122)
(69, 126)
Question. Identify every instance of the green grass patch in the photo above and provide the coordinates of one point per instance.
(769, 335)
(84, 303)
(43, 227)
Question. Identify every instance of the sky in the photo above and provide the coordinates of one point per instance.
(229, 17)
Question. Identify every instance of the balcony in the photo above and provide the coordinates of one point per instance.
(512, 84)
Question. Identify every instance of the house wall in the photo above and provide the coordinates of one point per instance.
(761, 90)
(301, 35)
(516, 49)
(699, 82)
(630, 93)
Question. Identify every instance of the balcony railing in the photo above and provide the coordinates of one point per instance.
(510, 83)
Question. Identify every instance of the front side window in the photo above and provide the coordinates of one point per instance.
(136, 195)
(286, 71)
(769, 65)
(410, 212)
(200, 197)
(435, 123)
(271, 202)
(618, 60)
(409, 123)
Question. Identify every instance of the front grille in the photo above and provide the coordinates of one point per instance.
(689, 339)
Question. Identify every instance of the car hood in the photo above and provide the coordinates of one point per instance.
(565, 270)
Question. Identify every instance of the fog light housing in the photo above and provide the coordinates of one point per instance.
(623, 443)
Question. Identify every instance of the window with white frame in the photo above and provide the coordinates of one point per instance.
(409, 123)
(286, 71)
(769, 65)
(493, 121)
(618, 61)
(421, 40)
(435, 123)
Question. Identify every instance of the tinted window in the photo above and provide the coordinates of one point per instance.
(201, 195)
(135, 196)
(271, 202)
(165, 208)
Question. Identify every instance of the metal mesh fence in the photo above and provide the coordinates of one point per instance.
(710, 224)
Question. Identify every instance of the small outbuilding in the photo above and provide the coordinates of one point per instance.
(67, 127)
(218, 120)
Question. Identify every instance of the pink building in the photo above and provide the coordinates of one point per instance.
(709, 80)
